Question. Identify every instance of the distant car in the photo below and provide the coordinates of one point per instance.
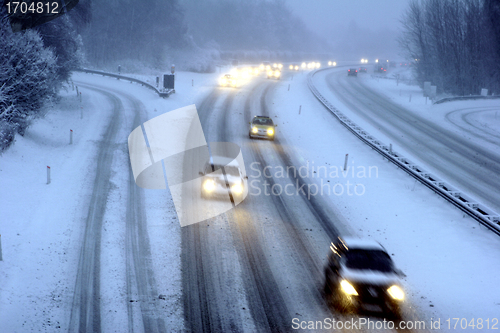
(266, 65)
(363, 70)
(213, 183)
(228, 80)
(380, 68)
(262, 127)
(352, 72)
(274, 74)
(294, 67)
(360, 273)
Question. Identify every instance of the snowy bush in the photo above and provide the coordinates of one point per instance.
(27, 73)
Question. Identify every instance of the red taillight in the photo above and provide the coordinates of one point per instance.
(356, 71)
(348, 70)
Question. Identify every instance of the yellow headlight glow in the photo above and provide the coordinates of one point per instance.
(209, 185)
(277, 73)
(238, 189)
(348, 288)
(270, 131)
(255, 130)
(270, 73)
(396, 292)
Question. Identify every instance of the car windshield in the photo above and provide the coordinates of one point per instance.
(232, 171)
(263, 121)
(374, 260)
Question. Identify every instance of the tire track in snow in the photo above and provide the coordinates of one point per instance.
(85, 311)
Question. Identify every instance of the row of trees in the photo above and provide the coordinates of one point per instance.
(143, 31)
(248, 25)
(455, 44)
(193, 36)
(33, 65)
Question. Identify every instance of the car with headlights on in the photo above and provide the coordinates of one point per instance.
(228, 80)
(274, 74)
(262, 127)
(352, 72)
(361, 274)
(214, 176)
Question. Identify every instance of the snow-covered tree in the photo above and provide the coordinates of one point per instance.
(27, 78)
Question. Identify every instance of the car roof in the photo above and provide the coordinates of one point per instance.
(262, 117)
(353, 243)
(223, 161)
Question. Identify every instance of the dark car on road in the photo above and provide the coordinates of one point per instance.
(362, 70)
(352, 72)
(361, 274)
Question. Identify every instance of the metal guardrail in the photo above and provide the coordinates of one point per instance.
(463, 98)
(131, 79)
(476, 210)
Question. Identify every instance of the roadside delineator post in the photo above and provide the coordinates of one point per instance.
(410, 98)
(70, 136)
(288, 87)
(1, 259)
(81, 112)
(80, 96)
(48, 175)
(300, 108)
(77, 94)
(345, 163)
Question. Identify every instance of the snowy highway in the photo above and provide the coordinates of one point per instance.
(463, 161)
(129, 267)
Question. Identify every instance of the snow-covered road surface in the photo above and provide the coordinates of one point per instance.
(255, 268)
(464, 162)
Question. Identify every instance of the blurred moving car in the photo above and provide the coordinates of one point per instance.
(266, 65)
(294, 67)
(254, 70)
(363, 70)
(360, 273)
(352, 72)
(214, 183)
(379, 68)
(274, 74)
(228, 80)
(262, 127)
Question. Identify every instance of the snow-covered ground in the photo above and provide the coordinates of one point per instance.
(480, 115)
(41, 225)
(450, 260)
